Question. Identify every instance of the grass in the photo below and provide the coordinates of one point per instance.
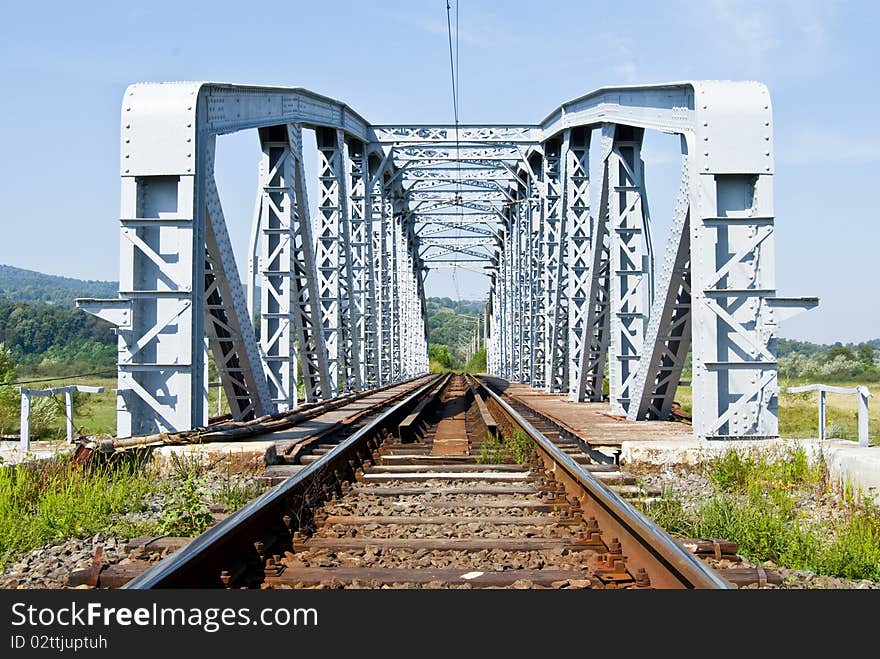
(97, 414)
(516, 449)
(756, 502)
(799, 413)
(53, 500)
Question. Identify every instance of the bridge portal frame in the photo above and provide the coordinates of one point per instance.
(559, 268)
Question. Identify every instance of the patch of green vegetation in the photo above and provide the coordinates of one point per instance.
(669, 512)
(756, 504)
(516, 449)
(54, 500)
(185, 512)
(234, 491)
(439, 358)
(477, 362)
(743, 473)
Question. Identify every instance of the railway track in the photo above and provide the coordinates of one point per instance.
(449, 486)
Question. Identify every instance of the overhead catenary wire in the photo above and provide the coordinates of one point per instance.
(454, 72)
(60, 377)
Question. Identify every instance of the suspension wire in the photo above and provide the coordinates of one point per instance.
(61, 377)
(454, 74)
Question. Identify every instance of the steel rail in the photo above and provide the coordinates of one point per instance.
(686, 567)
(245, 524)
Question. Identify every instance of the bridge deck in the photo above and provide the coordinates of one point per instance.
(593, 422)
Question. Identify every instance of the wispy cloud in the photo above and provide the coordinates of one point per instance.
(811, 19)
(744, 28)
(477, 29)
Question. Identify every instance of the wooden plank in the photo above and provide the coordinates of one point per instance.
(383, 576)
(447, 475)
(422, 491)
(442, 544)
(359, 520)
(445, 467)
(426, 459)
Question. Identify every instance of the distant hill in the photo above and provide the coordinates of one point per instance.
(19, 285)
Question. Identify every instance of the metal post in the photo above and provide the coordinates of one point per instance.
(821, 415)
(68, 413)
(863, 415)
(24, 443)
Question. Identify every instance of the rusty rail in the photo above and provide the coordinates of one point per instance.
(246, 549)
(275, 516)
(646, 545)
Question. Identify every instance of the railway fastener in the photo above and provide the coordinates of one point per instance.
(642, 579)
(590, 540)
(568, 519)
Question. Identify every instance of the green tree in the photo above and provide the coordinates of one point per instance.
(7, 365)
(9, 396)
(865, 354)
(439, 357)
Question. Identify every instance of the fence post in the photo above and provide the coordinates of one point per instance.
(821, 415)
(68, 412)
(863, 415)
(24, 443)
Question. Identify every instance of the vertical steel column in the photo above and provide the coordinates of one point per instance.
(332, 255)
(276, 299)
(161, 316)
(373, 309)
(289, 308)
(398, 208)
(594, 346)
(359, 244)
(386, 309)
(555, 265)
(515, 255)
(732, 280)
(535, 276)
(578, 241)
(630, 264)
(508, 357)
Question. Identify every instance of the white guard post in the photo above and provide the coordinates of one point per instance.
(860, 391)
(26, 394)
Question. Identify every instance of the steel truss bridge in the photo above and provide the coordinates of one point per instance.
(339, 297)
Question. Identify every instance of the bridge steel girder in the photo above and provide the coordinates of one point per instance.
(630, 263)
(571, 285)
(170, 283)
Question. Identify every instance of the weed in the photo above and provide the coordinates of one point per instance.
(187, 467)
(520, 446)
(669, 512)
(836, 430)
(756, 503)
(53, 500)
(185, 512)
(730, 472)
(493, 450)
(234, 492)
(517, 449)
(855, 552)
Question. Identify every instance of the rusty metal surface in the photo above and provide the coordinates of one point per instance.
(199, 564)
(592, 422)
(552, 505)
(647, 546)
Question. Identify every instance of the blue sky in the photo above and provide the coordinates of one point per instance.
(64, 67)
